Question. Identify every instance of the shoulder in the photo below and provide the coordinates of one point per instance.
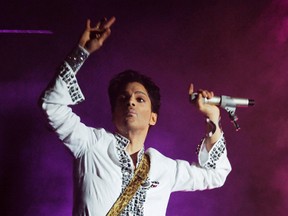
(160, 159)
(101, 138)
(162, 168)
(101, 133)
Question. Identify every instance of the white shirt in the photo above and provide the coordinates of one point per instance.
(102, 167)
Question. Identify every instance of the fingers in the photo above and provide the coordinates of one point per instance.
(100, 23)
(205, 93)
(102, 29)
(191, 89)
(106, 29)
(88, 24)
(103, 24)
(201, 92)
(104, 36)
(109, 23)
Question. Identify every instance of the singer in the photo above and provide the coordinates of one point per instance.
(113, 173)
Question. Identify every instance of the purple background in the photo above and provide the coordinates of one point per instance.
(236, 48)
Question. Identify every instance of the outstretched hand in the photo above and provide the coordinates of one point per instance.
(93, 37)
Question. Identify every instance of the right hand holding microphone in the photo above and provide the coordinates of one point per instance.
(210, 111)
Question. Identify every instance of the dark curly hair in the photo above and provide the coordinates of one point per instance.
(119, 82)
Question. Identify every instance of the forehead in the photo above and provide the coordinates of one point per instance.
(135, 87)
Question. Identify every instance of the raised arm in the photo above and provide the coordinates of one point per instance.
(214, 166)
(212, 113)
(64, 91)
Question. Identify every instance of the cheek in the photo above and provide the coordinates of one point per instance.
(117, 110)
(147, 115)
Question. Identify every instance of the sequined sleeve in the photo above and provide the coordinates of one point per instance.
(62, 92)
(68, 70)
(209, 159)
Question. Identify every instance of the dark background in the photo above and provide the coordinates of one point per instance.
(236, 48)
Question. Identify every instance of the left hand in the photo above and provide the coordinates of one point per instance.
(210, 111)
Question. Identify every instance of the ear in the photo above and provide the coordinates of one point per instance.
(153, 118)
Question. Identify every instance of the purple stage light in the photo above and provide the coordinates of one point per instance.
(15, 31)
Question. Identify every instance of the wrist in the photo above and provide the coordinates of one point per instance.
(213, 133)
(77, 57)
(212, 126)
(215, 116)
(212, 112)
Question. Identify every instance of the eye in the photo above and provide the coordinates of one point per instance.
(140, 100)
(121, 98)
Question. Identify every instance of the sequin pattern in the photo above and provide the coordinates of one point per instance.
(69, 78)
(135, 206)
(76, 58)
(216, 152)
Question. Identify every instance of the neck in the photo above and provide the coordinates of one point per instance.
(137, 140)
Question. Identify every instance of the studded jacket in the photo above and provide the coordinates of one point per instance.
(102, 167)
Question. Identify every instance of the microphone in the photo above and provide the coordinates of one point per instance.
(228, 103)
(225, 101)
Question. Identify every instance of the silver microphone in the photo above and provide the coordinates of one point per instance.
(225, 101)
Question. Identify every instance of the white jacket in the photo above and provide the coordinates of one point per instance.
(102, 168)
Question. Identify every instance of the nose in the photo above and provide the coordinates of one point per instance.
(131, 102)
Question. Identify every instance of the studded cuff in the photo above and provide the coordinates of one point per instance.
(214, 154)
(76, 58)
(68, 76)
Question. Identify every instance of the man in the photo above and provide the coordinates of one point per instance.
(105, 162)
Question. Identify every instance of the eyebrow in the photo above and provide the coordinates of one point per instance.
(140, 92)
(136, 92)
